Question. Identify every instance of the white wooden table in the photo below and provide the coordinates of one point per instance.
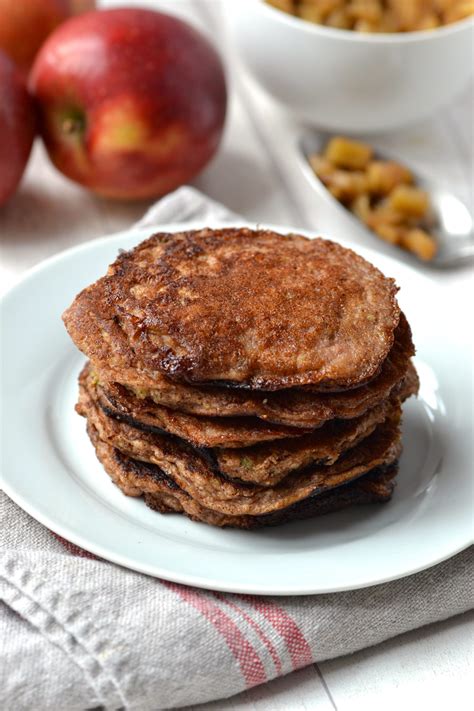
(256, 175)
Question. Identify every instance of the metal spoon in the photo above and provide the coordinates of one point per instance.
(453, 224)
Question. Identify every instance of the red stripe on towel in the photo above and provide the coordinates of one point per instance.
(245, 654)
(284, 624)
(268, 644)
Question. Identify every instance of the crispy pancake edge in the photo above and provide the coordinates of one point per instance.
(160, 493)
(195, 473)
(268, 463)
(121, 403)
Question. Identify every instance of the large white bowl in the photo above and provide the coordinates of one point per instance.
(349, 81)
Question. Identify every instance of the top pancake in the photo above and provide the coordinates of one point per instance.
(239, 307)
(297, 407)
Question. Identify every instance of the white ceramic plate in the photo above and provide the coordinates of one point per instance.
(49, 467)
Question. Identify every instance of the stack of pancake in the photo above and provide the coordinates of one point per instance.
(244, 378)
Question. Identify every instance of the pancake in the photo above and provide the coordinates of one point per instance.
(239, 307)
(296, 407)
(119, 402)
(160, 493)
(194, 471)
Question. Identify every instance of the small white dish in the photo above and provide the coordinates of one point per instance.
(49, 466)
(352, 82)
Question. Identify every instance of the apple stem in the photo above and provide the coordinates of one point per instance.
(73, 125)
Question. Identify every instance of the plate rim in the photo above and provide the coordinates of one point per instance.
(134, 233)
(211, 584)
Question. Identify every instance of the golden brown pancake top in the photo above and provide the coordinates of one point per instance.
(240, 307)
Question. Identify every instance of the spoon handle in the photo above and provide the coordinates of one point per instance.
(461, 252)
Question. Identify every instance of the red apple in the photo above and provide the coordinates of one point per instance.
(25, 24)
(132, 102)
(17, 127)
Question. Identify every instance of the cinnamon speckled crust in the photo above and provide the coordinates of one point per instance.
(239, 307)
(194, 472)
(136, 478)
(294, 407)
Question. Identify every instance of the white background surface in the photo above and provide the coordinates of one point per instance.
(255, 174)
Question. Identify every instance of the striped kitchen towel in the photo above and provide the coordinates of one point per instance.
(80, 633)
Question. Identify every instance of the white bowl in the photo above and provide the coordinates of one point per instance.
(348, 81)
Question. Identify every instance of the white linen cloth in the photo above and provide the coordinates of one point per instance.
(77, 632)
